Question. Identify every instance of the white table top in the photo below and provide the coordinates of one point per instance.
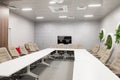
(86, 66)
(10, 67)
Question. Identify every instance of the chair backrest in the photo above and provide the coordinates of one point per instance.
(61, 46)
(13, 51)
(36, 47)
(23, 50)
(69, 46)
(27, 46)
(102, 51)
(95, 49)
(115, 65)
(106, 56)
(30, 47)
(4, 55)
(79, 46)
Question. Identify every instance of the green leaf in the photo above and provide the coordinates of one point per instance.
(101, 35)
(117, 35)
(109, 42)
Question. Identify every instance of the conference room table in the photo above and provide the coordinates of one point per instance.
(10, 67)
(86, 66)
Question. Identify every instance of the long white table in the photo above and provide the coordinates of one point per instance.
(12, 66)
(86, 66)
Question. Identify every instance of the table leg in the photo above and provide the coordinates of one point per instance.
(43, 62)
(31, 74)
(65, 55)
(50, 57)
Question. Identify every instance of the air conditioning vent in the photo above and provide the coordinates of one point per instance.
(59, 9)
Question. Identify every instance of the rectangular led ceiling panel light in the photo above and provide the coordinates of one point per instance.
(59, 9)
(94, 5)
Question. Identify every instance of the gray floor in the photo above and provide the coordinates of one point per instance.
(58, 70)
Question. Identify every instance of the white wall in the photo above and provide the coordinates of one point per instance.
(22, 30)
(110, 23)
(85, 32)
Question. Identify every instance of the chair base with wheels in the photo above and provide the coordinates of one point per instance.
(70, 55)
(61, 54)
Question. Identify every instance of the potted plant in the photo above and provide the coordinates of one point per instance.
(101, 35)
(117, 40)
(108, 42)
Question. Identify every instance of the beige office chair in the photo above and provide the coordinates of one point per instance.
(4, 55)
(30, 47)
(36, 47)
(69, 46)
(60, 52)
(61, 46)
(115, 65)
(23, 50)
(79, 46)
(13, 52)
(54, 54)
(105, 56)
(95, 49)
(101, 51)
(27, 46)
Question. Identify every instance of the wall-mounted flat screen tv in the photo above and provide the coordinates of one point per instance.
(64, 40)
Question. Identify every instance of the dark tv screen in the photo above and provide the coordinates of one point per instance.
(64, 40)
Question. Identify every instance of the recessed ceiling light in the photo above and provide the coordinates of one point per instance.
(59, 8)
(52, 2)
(94, 5)
(26, 9)
(56, 1)
(62, 16)
(81, 8)
(88, 16)
(40, 17)
(59, 1)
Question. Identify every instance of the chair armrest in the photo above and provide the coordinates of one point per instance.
(13, 57)
(107, 65)
(96, 55)
(118, 74)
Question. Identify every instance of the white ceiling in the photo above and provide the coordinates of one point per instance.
(41, 8)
